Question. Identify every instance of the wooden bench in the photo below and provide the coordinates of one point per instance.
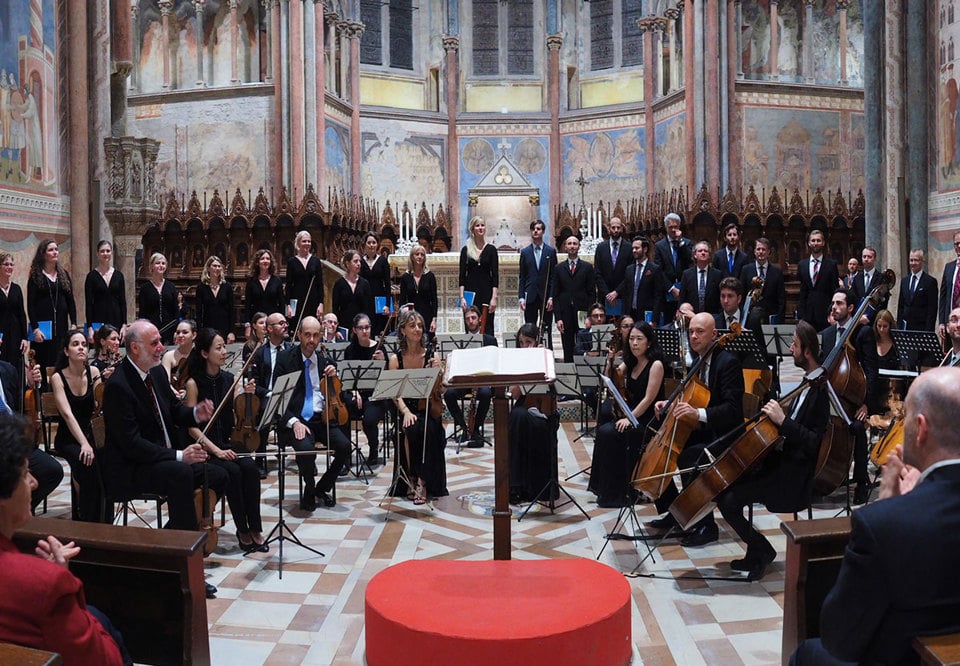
(25, 656)
(148, 582)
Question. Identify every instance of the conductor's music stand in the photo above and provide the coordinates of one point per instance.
(359, 376)
(917, 349)
(277, 405)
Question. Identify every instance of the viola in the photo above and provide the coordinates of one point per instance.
(31, 401)
(335, 412)
(246, 407)
(888, 443)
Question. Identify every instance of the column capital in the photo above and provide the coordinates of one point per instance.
(198, 5)
(843, 4)
(809, 3)
(331, 17)
(233, 4)
(774, 2)
(680, 4)
(451, 43)
(268, 4)
(166, 6)
(554, 42)
(647, 23)
(354, 30)
(672, 13)
(660, 23)
(323, 5)
(134, 7)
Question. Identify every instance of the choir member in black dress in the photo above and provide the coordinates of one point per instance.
(106, 350)
(208, 381)
(419, 287)
(479, 271)
(13, 318)
(427, 469)
(887, 359)
(304, 274)
(105, 291)
(264, 292)
(258, 331)
(72, 386)
(363, 348)
(50, 298)
(375, 269)
(351, 293)
(215, 300)
(618, 444)
(158, 299)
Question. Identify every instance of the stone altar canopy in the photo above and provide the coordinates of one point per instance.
(507, 202)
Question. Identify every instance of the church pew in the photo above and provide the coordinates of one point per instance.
(25, 656)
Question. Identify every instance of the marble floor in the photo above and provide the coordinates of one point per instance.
(688, 606)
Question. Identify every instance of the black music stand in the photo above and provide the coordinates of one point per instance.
(446, 343)
(336, 350)
(600, 336)
(669, 341)
(589, 370)
(917, 349)
(276, 406)
(359, 376)
(778, 338)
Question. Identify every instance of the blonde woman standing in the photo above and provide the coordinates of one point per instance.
(479, 271)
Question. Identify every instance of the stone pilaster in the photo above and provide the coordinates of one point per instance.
(354, 32)
(321, 92)
(198, 32)
(842, 10)
(166, 6)
(648, 26)
(234, 43)
(451, 48)
(774, 72)
(554, 43)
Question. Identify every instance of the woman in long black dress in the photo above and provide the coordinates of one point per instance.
(13, 318)
(619, 445)
(158, 298)
(105, 291)
(215, 300)
(264, 292)
(375, 269)
(50, 299)
(426, 470)
(304, 274)
(419, 286)
(364, 348)
(72, 385)
(479, 271)
(351, 293)
(887, 359)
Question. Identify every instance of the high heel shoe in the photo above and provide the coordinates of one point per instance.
(421, 495)
(259, 544)
(246, 542)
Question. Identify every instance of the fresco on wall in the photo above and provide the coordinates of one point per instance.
(226, 156)
(670, 155)
(401, 165)
(28, 115)
(337, 149)
(948, 92)
(613, 164)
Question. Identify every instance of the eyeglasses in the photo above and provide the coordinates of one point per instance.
(278, 323)
(362, 328)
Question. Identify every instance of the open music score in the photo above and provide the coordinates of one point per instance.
(495, 366)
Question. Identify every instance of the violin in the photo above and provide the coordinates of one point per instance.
(436, 396)
(335, 412)
(246, 407)
(31, 401)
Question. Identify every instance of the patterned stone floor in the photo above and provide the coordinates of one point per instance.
(314, 614)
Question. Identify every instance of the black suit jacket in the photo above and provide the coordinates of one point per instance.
(262, 369)
(609, 275)
(663, 255)
(10, 379)
(898, 577)
(572, 293)
(689, 289)
(772, 297)
(533, 281)
(946, 291)
(725, 409)
(740, 259)
(865, 346)
(134, 436)
(650, 293)
(920, 311)
(815, 299)
(859, 291)
(292, 361)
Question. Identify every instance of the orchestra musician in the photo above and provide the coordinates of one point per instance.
(302, 423)
(618, 444)
(264, 290)
(452, 396)
(50, 298)
(105, 291)
(106, 350)
(304, 274)
(363, 348)
(265, 372)
(215, 299)
(175, 360)
(159, 298)
(537, 261)
(375, 269)
(722, 374)
(13, 318)
(784, 479)
(207, 380)
(418, 286)
(898, 577)
(352, 294)
(479, 271)
(427, 468)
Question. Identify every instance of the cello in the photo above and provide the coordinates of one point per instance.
(658, 463)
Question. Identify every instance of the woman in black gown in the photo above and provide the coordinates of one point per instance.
(375, 269)
(479, 271)
(304, 274)
(158, 299)
(619, 445)
(363, 348)
(215, 300)
(264, 292)
(105, 291)
(13, 318)
(419, 286)
(50, 299)
(887, 359)
(351, 293)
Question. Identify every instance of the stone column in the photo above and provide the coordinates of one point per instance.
(774, 41)
(331, 19)
(80, 162)
(135, 38)
(873, 106)
(672, 14)
(284, 126)
(297, 97)
(354, 31)
(738, 41)
(734, 144)
(842, 8)
(268, 56)
(712, 91)
(554, 42)
(198, 33)
(808, 76)
(121, 64)
(321, 92)
(918, 156)
(648, 27)
(276, 66)
(234, 44)
(689, 63)
(451, 47)
(165, 7)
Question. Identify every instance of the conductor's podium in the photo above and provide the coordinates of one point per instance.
(557, 612)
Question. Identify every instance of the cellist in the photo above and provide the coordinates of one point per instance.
(722, 373)
(784, 479)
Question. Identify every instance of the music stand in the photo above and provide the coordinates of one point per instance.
(600, 335)
(589, 369)
(416, 384)
(917, 348)
(448, 342)
(335, 350)
(277, 405)
(778, 338)
(748, 348)
(359, 376)
(669, 341)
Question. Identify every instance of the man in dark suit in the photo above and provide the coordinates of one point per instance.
(700, 285)
(866, 280)
(643, 286)
(611, 260)
(730, 260)
(723, 375)
(301, 424)
(573, 292)
(785, 478)
(818, 277)
(730, 298)
(452, 396)
(917, 308)
(537, 261)
(673, 254)
(772, 300)
(950, 286)
(871, 616)
(264, 373)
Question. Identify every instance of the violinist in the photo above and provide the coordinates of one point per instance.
(784, 479)
(363, 348)
(265, 372)
(722, 373)
(106, 350)
(584, 345)
(258, 331)
(452, 396)
(206, 380)
(175, 360)
(302, 424)
(618, 444)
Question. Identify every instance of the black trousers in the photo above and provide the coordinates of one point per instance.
(243, 492)
(370, 415)
(338, 442)
(452, 399)
(177, 480)
(47, 471)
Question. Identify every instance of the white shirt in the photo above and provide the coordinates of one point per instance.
(318, 400)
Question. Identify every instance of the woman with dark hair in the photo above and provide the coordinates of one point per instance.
(479, 271)
(72, 386)
(257, 332)
(364, 348)
(351, 293)
(419, 287)
(105, 291)
(618, 444)
(175, 360)
(264, 291)
(375, 269)
(304, 282)
(159, 298)
(13, 319)
(106, 350)
(207, 380)
(215, 300)
(50, 299)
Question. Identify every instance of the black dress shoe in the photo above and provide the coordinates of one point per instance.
(516, 497)
(373, 459)
(326, 499)
(211, 591)
(701, 536)
(263, 472)
(665, 523)
(861, 494)
(308, 502)
(759, 568)
(475, 444)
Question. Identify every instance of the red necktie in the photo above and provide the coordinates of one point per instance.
(816, 270)
(956, 290)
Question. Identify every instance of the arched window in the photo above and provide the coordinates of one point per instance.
(388, 33)
(615, 37)
(505, 37)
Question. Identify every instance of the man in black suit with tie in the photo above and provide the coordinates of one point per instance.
(730, 298)
(730, 260)
(784, 480)
(537, 260)
(868, 278)
(952, 357)
(610, 261)
(301, 425)
(643, 287)
(872, 615)
(574, 289)
(700, 285)
(950, 286)
(818, 277)
(673, 254)
(264, 373)
(917, 308)
(772, 300)
(452, 396)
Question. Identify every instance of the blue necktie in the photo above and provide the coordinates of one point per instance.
(307, 412)
(4, 407)
(730, 262)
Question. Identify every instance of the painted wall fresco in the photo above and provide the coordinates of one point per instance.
(29, 155)
(337, 148)
(948, 92)
(402, 162)
(613, 164)
(670, 161)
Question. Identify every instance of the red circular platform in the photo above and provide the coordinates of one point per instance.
(556, 612)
